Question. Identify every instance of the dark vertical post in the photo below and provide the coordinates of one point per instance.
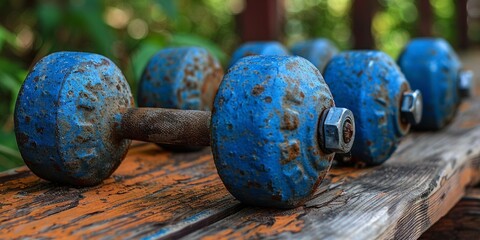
(262, 20)
(462, 23)
(362, 16)
(425, 19)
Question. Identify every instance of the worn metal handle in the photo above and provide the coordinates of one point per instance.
(168, 126)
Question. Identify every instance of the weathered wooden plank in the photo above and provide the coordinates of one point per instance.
(462, 222)
(153, 193)
(400, 199)
(157, 194)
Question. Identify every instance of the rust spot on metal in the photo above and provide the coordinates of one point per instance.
(39, 130)
(347, 131)
(257, 90)
(290, 151)
(359, 73)
(254, 184)
(22, 138)
(290, 121)
(277, 198)
(27, 119)
(268, 99)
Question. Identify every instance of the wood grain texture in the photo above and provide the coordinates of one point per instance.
(462, 222)
(400, 199)
(153, 193)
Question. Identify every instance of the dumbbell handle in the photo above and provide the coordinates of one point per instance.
(168, 126)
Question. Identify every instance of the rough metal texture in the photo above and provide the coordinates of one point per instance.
(180, 78)
(370, 84)
(64, 118)
(318, 51)
(172, 126)
(264, 130)
(432, 66)
(338, 130)
(258, 48)
(412, 104)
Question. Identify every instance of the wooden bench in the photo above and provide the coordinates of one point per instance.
(157, 194)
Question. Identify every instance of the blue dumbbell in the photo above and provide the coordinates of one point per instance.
(273, 137)
(180, 78)
(371, 85)
(432, 66)
(258, 48)
(318, 51)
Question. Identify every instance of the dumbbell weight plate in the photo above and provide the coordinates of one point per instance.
(370, 84)
(268, 154)
(63, 123)
(180, 78)
(432, 66)
(317, 51)
(258, 48)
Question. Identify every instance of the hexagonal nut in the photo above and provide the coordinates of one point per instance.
(412, 107)
(338, 130)
(465, 83)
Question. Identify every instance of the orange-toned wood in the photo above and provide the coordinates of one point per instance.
(462, 222)
(152, 193)
(402, 198)
(156, 194)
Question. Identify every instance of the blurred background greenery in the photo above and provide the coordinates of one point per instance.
(130, 32)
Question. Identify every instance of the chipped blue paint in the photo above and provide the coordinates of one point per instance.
(431, 66)
(370, 84)
(318, 51)
(264, 130)
(258, 48)
(60, 117)
(180, 78)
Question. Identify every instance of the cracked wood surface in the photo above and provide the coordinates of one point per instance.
(155, 194)
(401, 199)
(152, 193)
(158, 194)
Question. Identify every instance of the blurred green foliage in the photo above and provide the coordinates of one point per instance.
(130, 32)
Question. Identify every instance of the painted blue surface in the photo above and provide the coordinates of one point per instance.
(264, 130)
(432, 66)
(180, 78)
(258, 48)
(318, 51)
(370, 84)
(65, 118)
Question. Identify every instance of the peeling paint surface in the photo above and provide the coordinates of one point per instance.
(180, 78)
(370, 84)
(264, 130)
(65, 118)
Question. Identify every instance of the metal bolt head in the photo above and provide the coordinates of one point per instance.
(465, 83)
(412, 107)
(338, 131)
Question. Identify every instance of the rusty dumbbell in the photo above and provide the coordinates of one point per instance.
(371, 85)
(431, 65)
(273, 137)
(318, 51)
(180, 78)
